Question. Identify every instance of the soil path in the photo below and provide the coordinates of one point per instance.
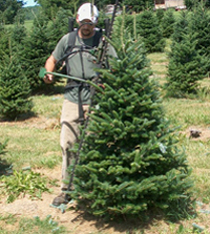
(75, 221)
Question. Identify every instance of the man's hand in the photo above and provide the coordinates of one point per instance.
(48, 79)
(101, 86)
(49, 66)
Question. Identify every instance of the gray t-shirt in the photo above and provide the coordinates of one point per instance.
(81, 65)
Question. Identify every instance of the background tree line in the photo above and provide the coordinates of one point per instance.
(27, 50)
(10, 8)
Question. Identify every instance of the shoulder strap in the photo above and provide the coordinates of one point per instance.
(73, 34)
(71, 43)
(97, 37)
(71, 24)
(72, 39)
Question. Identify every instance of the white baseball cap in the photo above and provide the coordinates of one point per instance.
(88, 11)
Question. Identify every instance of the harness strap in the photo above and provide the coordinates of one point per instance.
(71, 45)
(81, 111)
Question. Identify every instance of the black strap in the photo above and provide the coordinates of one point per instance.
(71, 24)
(71, 45)
(106, 23)
(72, 39)
(97, 38)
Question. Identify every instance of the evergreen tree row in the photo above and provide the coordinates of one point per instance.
(22, 53)
(28, 51)
(189, 56)
(147, 26)
(33, 47)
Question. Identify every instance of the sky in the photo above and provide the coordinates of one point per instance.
(29, 3)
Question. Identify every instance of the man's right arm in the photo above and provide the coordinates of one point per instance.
(50, 66)
(56, 55)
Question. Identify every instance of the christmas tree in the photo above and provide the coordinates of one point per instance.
(199, 23)
(14, 85)
(14, 90)
(149, 29)
(187, 64)
(167, 23)
(4, 43)
(130, 162)
(57, 28)
(36, 51)
(180, 26)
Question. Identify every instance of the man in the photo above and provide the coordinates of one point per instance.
(80, 63)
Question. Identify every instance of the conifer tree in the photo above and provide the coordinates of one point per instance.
(200, 20)
(139, 5)
(4, 43)
(58, 27)
(130, 161)
(17, 35)
(168, 23)
(150, 31)
(127, 21)
(36, 51)
(199, 23)
(14, 89)
(185, 67)
(191, 4)
(207, 3)
(181, 26)
(160, 15)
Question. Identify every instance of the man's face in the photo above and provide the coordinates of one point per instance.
(87, 28)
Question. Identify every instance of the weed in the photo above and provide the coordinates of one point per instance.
(3, 146)
(23, 182)
(34, 226)
(8, 219)
(48, 224)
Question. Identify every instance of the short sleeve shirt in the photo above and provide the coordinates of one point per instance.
(82, 64)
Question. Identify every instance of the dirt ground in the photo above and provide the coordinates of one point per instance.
(76, 221)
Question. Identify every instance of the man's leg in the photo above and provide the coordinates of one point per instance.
(69, 135)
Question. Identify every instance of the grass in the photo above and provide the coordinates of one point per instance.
(30, 226)
(187, 112)
(35, 143)
(21, 183)
(28, 24)
(31, 146)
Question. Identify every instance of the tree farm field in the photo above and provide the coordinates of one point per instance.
(33, 146)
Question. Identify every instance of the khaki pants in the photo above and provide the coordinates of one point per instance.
(69, 135)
